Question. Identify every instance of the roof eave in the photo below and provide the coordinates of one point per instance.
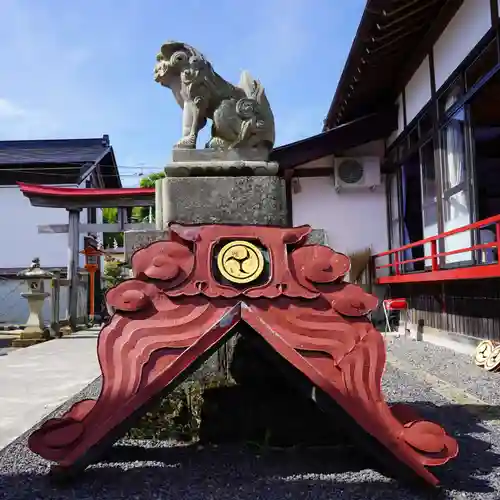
(342, 107)
(338, 139)
(355, 46)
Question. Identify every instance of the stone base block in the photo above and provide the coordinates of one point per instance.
(33, 332)
(27, 342)
(133, 240)
(65, 331)
(259, 200)
(211, 162)
(214, 155)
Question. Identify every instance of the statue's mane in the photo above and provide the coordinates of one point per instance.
(170, 47)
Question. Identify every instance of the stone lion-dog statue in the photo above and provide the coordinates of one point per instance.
(241, 115)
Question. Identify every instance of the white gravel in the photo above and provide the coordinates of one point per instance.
(166, 470)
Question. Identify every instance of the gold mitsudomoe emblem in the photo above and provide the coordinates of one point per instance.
(240, 262)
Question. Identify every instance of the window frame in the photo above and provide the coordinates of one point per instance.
(400, 150)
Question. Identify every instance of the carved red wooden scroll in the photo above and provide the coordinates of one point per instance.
(187, 295)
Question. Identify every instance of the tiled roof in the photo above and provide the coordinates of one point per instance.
(55, 151)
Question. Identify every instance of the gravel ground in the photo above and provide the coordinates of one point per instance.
(453, 367)
(166, 470)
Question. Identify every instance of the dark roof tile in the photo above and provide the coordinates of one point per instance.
(53, 151)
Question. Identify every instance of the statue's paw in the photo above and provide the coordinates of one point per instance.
(217, 143)
(188, 142)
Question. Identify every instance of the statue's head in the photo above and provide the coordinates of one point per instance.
(172, 59)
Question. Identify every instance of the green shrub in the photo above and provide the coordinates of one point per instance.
(178, 416)
(113, 272)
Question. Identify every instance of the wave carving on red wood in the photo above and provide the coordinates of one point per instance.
(175, 310)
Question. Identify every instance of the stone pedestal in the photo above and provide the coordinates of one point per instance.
(221, 187)
(217, 187)
(221, 200)
(34, 331)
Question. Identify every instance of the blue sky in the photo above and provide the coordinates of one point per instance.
(83, 68)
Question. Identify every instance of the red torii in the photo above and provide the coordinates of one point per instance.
(76, 199)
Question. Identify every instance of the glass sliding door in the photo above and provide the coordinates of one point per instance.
(429, 195)
(394, 212)
(394, 209)
(455, 196)
(411, 202)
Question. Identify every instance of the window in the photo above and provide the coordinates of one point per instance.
(411, 206)
(395, 209)
(429, 189)
(486, 61)
(413, 137)
(455, 197)
(451, 96)
(429, 196)
(484, 113)
(425, 124)
(453, 140)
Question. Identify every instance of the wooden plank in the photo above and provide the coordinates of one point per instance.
(95, 228)
(53, 228)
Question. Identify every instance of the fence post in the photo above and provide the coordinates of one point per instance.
(371, 273)
(497, 232)
(434, 259)
(420, 330)
(55, 327)
(397, 270)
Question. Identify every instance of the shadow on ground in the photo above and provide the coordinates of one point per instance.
(477, 467)
(227, 472)
(232, 471)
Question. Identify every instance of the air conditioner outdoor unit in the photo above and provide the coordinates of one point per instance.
(357, 173)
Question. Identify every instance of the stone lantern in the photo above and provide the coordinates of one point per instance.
(34, 331)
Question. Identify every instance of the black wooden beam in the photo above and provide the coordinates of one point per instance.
(338, 139)
(313, 172)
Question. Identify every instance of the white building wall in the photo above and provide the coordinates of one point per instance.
(418, 90)
(19, 226)
(353, 220)
(464, 31)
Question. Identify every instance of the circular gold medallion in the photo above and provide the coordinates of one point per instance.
(483, 351)
(240, 261)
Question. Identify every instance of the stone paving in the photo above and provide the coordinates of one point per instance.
(38, 379)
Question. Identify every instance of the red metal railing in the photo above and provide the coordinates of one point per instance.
(435, 272)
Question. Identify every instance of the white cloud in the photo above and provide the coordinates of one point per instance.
(17, 122)
(9, 110)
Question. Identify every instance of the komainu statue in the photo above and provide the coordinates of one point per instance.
(241, 115)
